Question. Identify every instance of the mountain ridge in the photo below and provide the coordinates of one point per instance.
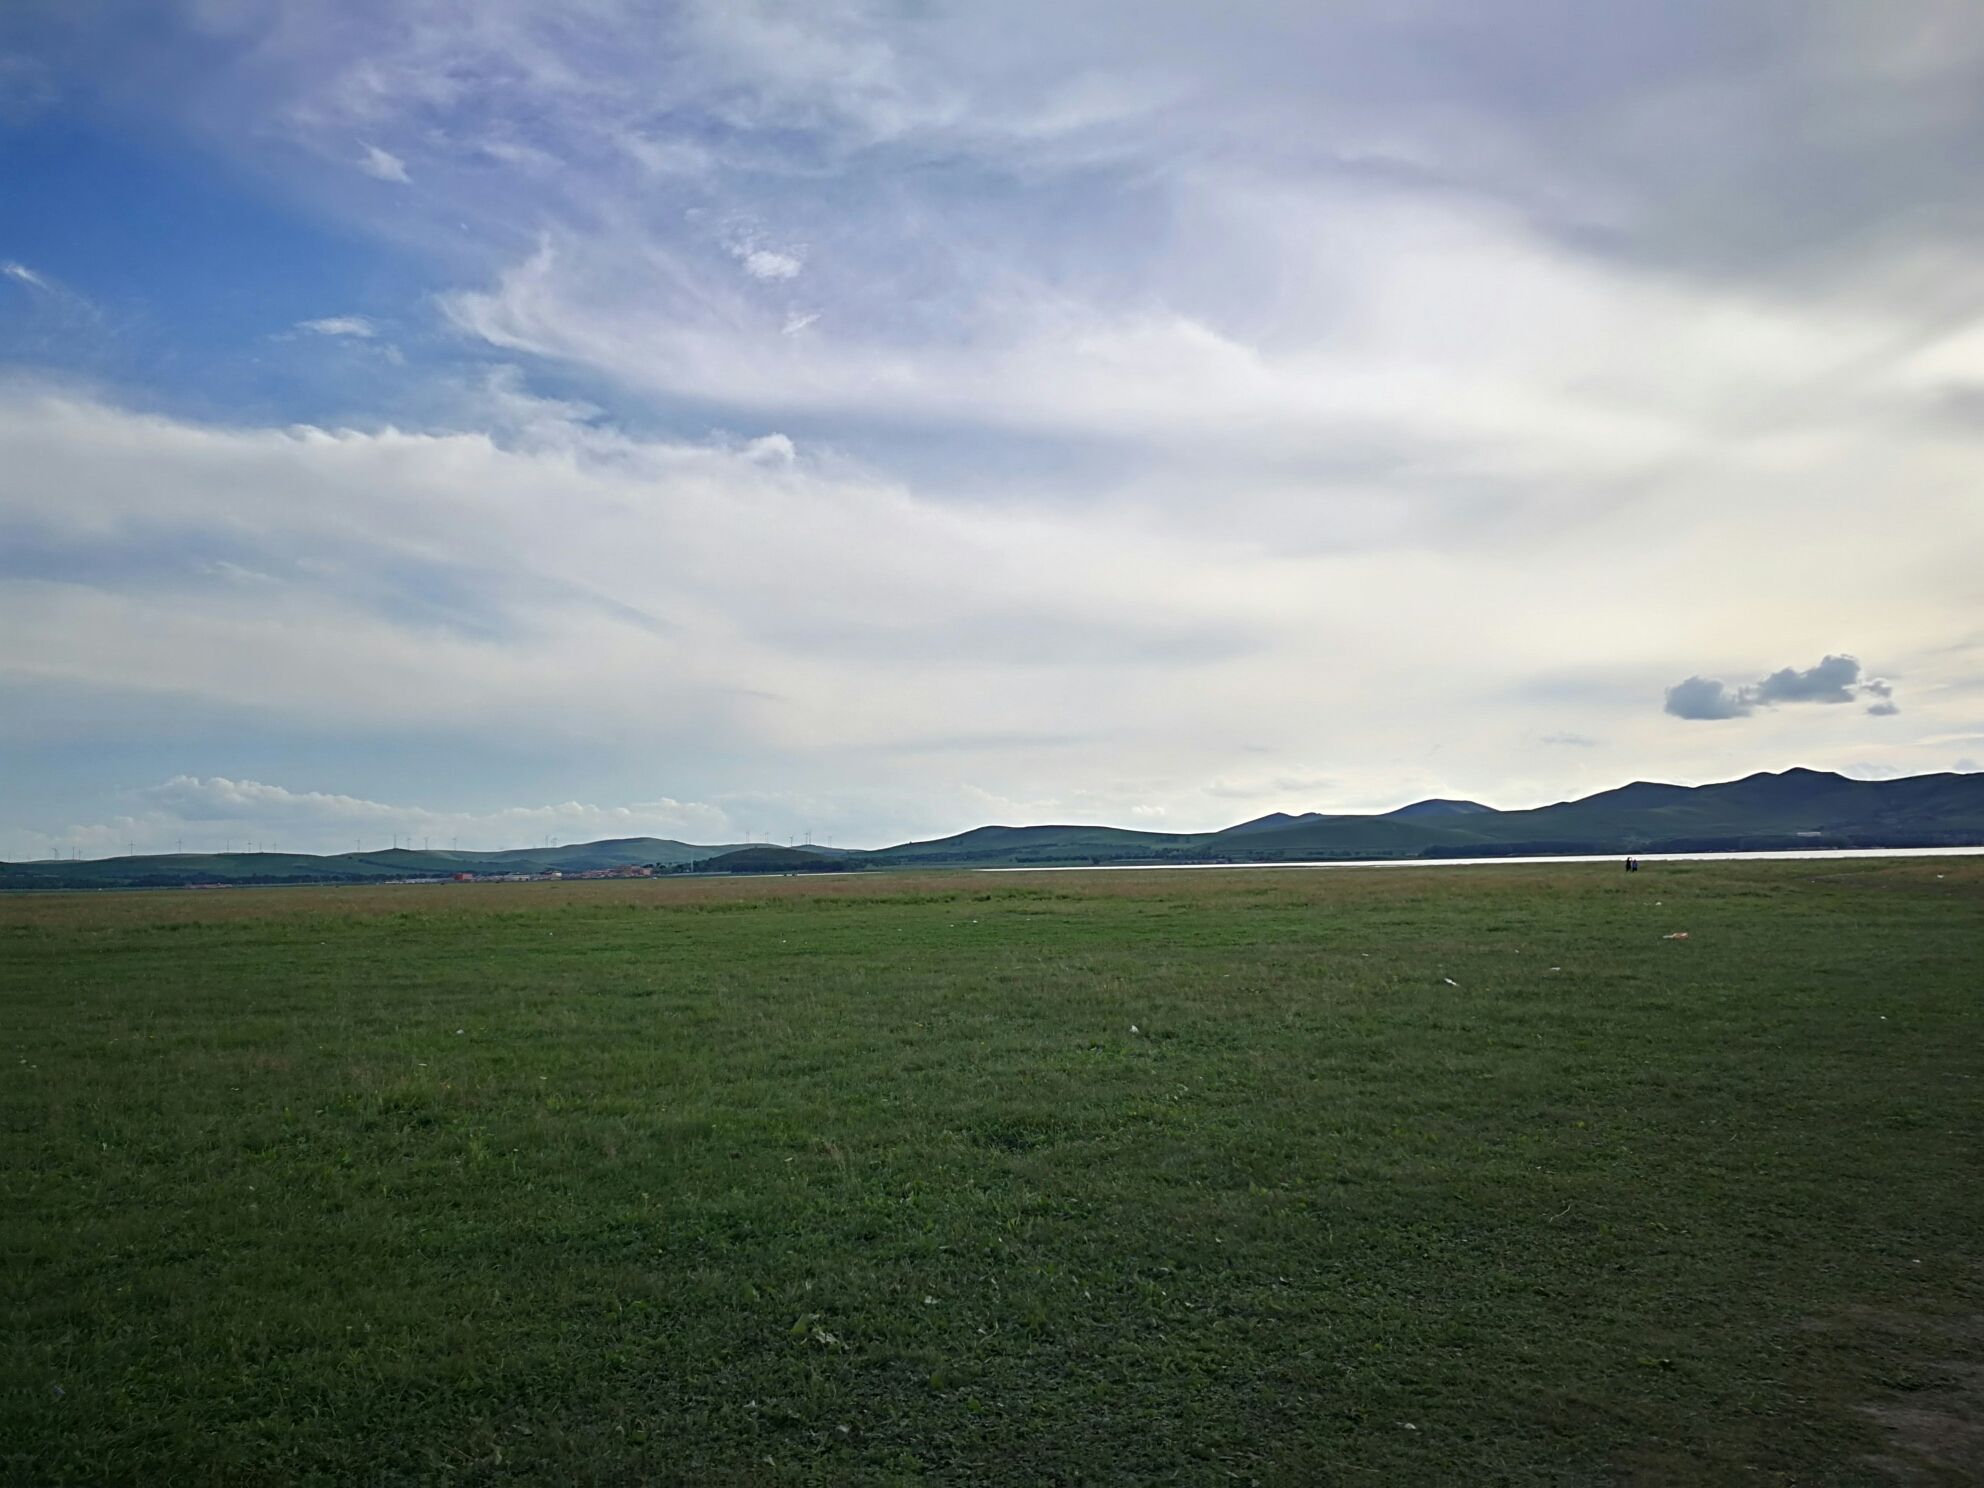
(1797, 807)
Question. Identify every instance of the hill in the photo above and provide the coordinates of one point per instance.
(765, 858)
(997, 846)
(1274, 821)
(180, 870)
(1437, 807)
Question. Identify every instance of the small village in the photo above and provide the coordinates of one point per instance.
(628, 870)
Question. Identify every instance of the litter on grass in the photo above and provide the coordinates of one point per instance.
(1675, 935)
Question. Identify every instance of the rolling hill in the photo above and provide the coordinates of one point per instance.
(166, 870)
(764, 857)
(1795, 808)
(1437, 807)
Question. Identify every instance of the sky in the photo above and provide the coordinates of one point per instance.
(503, 422)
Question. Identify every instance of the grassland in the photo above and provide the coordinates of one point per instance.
(1438, 1175)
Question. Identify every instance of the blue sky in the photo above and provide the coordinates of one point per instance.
(492, 421)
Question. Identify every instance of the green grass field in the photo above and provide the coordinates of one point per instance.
(1413, 1176)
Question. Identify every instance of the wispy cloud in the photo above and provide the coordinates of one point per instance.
(28, 88)
(763, 260)
(51, 294)
(383, 165)
(1293, 787)
(340, 325)
(20, 273)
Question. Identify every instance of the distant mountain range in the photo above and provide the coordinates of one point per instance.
(1790, 809)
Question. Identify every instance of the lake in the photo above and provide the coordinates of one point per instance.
(1615, 858)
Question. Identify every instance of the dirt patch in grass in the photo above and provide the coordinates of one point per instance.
(1938, 1435)
(1935, 1424)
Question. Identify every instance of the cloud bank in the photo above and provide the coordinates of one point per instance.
(215, 814)
(904, 418)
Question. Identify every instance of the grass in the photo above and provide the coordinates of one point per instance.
(1430, 1175)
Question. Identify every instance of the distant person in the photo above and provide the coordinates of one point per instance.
(1632, 865)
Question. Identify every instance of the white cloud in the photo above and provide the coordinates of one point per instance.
(383, 165)
(763, 263)
(747, 245)
(340, 325)
(772, 449)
